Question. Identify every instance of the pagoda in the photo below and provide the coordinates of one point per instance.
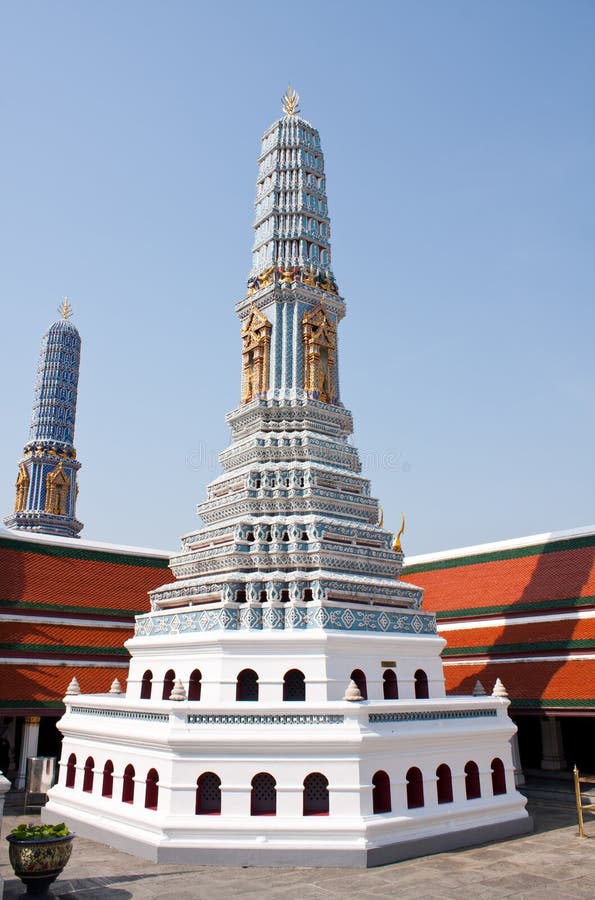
(46, 485)
(285, 701)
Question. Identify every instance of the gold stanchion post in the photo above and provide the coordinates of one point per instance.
(579, 808)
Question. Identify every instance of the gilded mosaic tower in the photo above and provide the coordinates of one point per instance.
(46, 485)
(291, 520)
(285, 697)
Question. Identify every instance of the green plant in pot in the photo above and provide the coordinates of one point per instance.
(38, 853)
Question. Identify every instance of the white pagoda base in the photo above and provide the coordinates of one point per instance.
(346, 742)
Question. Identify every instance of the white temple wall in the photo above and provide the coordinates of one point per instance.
(347, 754)
(326, 661)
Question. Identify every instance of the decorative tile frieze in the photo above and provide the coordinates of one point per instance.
(290, 617)
(197, 719)
(432, 715)
(348, 559)
(119, 714)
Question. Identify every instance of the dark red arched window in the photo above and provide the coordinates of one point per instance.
(247, 685)
(208, 795)
(316, 799)
(389, 685)
(128, 785)
(88, 775)
(146, 685)
(444, 784)
(415, 788)
(472, 786)
(421, 685)
(381, 793)
(360, 679)
(263, 801)
(294, 685)
(71, 771)
(107, 787)
(498, 777)
(168, 684)
(152, 789)
(194, 685)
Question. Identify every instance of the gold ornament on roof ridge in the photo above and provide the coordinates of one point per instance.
(65, 309)
(290, 101)
(397, 544)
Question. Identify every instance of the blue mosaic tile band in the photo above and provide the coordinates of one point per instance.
(333, 618)
(431, 715)
(265, 720)
(118, 714)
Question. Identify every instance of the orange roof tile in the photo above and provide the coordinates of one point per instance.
(21, 684)
(512, 633)
(67, 581)
(60, 635)
(567, 681)
(506, 582)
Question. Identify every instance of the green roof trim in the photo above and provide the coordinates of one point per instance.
(74, 649)
(527, 606)
(531, 647)
(65, 607)
(554, 704)
(578, 543)
(109, 556)
(31, 704)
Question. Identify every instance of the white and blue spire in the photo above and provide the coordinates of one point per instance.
(292, 306)
(46, 486)
(292, 227)
(291, 520)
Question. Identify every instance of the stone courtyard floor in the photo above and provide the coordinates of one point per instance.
(551, 863)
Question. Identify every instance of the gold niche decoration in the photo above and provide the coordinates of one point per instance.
(65, 309)
(320, 345)
(57, 484)
(397, 543)
(22, 485)
(256, 282)
(309, 276)
(290, 102)
(256, 346)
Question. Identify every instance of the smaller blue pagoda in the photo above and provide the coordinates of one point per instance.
(46, 485)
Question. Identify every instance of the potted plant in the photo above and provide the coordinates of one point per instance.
(38, 853)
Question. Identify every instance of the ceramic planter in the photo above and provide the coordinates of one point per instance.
(39, 861)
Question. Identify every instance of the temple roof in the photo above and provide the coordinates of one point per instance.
(67, 607)
(522, 610)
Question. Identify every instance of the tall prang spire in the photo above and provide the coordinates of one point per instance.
(291, 519)
(292, 306)
(46, 485)
(292, 228)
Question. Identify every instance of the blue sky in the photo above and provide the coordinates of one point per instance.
(459, 146)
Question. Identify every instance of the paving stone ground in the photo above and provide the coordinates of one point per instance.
(551, 863)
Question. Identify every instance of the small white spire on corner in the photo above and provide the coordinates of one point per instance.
(478, 689)
(178, 691)
(73, 688)
(499, 689)
(353, 693)
(116, 687)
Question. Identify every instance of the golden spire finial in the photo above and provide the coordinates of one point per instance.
(290, 101)
(65, 309)
(397, 543)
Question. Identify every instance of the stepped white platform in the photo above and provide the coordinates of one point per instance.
(346, 742)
